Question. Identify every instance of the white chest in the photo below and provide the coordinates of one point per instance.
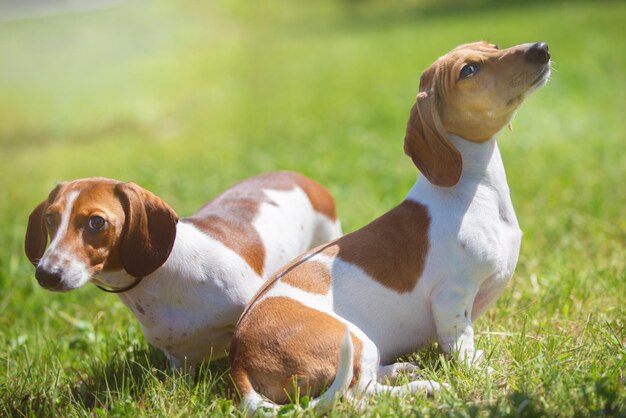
(489, 237)
(474, 233)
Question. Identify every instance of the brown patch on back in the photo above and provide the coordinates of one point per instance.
(239, 237)
(284, 272)
(281, 340)
(320, 197)
(312, 276)
(392, 249)
(229, 217)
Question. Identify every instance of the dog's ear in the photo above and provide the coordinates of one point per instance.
(36, 234)
(426, 140)
(149, 230)
(36, 237)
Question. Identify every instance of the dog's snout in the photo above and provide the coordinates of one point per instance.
(538, 53)
(47, 279)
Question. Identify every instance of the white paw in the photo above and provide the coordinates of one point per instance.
(393, 372)
(411, 370)
(471, 358)
(430, 386)
(474, 359)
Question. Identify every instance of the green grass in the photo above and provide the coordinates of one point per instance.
(188, 99)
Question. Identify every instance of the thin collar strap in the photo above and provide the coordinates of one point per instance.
(122, 289)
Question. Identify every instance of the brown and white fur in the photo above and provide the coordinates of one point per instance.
(198, 272)
(422, 272)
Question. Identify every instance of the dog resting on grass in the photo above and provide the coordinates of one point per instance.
(421, 273)
(186, 280)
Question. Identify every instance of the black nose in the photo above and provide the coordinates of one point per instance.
(47, 279)
(538, 53)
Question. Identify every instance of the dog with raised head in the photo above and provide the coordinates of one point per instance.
(186, 280)
(422, 272)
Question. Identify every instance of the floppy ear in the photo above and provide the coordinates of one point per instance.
(149, 230)
(36, 237)
(426, 140)
(36, 234)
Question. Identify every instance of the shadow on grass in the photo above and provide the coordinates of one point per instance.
(116, 385)
(99, 385)
(130, 377)
(125, 375)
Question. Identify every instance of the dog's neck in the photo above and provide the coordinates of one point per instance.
(481, 160)
(482, 166)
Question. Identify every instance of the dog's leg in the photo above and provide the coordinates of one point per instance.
(370, 381)
(452, 311)
(429, 387)
(392, 372)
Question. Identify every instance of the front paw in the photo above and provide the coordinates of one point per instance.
(469, 357)
(474, 359)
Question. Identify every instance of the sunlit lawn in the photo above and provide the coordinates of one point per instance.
(187, 99)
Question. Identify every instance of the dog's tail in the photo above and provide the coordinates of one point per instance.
(252, 401)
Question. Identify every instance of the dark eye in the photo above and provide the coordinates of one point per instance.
(50, 220)
(96, 223)
(468, 70)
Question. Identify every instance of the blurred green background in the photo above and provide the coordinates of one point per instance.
(186, 98)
